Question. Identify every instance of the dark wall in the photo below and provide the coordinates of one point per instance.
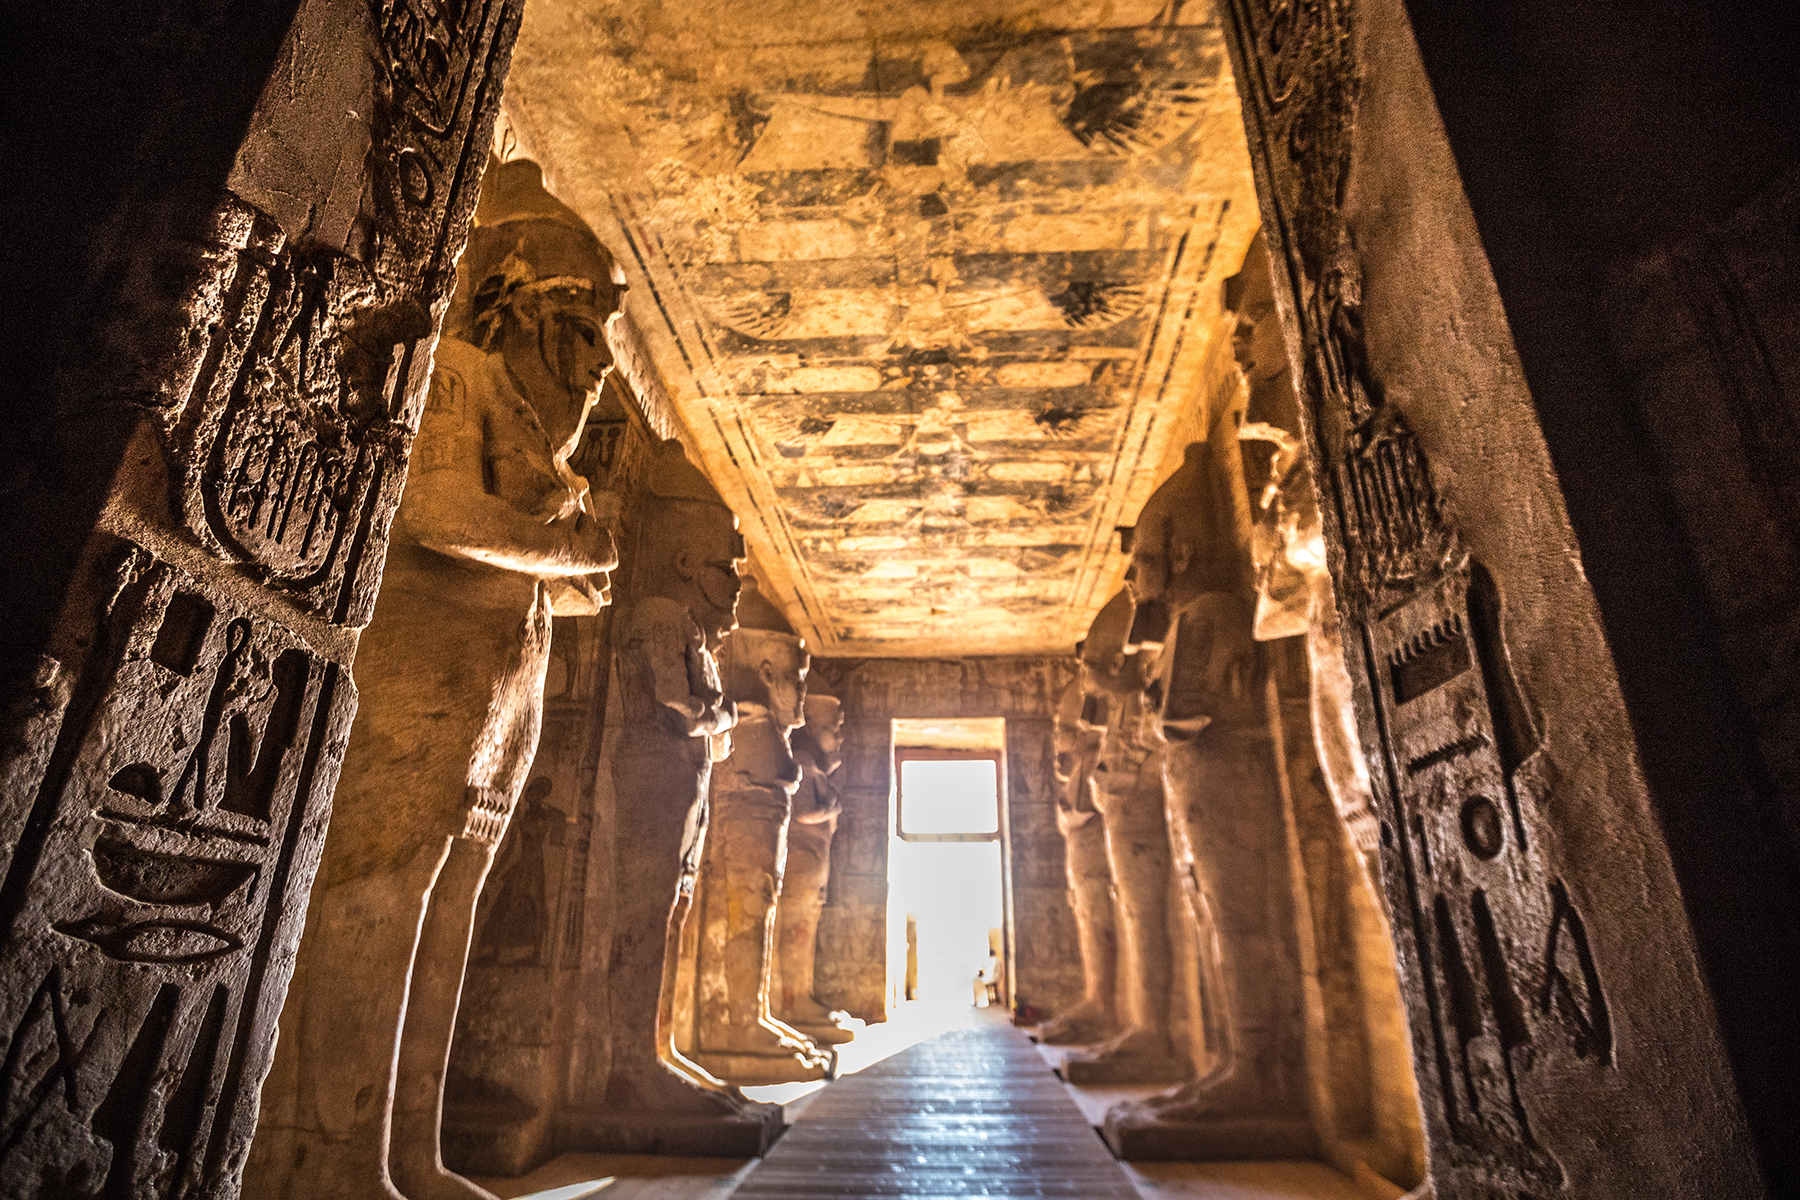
(121, 122)
(1634, 169)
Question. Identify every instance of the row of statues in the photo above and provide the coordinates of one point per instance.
(724, 775)
(495, 535)
(1167, 760)
(1170, 789)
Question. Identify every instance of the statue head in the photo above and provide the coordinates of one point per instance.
(764, 662)
(1183, 546)
(1287, 542)
(539, 289)
(825, 727)
(1066, 730)
(689, 546)
(763, 670)
(1109, 668)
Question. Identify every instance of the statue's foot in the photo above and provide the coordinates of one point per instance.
(657, 1087)
(648, 1109)
(807, 1011)
(1137, 1056)
(762, 1039)
(799, 1041)
(1229, 1118)
(439, 1184)
(1207, 1099)
(828, 1035)
(1081, 1025)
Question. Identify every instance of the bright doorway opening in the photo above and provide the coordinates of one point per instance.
(946, 889)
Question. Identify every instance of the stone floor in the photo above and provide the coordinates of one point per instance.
(944, 1103)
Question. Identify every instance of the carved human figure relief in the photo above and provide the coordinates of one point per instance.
(739, 1038)
(494, 535)
(1128, 793)
(819, 749)
(1226, 827)
(1079, 732)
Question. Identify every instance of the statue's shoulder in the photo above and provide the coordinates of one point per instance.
(462, 374)
(659, 617)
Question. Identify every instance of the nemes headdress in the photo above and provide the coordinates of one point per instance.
(527, 242)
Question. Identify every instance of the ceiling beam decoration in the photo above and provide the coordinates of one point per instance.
(933, 288)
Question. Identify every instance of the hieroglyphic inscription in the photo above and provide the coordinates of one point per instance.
(167, 855)
(168, 778)
(1501, 977)
(290, 396)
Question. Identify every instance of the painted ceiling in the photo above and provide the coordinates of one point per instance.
(934, 287)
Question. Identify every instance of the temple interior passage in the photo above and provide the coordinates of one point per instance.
(965, 1110)
(924, 598)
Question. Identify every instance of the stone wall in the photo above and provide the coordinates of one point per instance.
(1551, 972)
(246, 222)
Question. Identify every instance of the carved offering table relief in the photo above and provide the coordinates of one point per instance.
(495, 533)
(739, 1038)
(676, 725)
(223, 443)
(1128, 791)
(1079, 730)
(1227, 829)
(818, 747)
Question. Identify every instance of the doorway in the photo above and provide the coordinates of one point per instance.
(947, 892)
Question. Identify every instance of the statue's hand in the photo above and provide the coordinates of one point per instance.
(579, 595)
(590, 543)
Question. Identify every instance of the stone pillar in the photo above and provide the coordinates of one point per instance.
(1551, 963)
(1129, 792)
(737, 1035)
(219, 442)
(675, 724)
(1365, 1100)
(531, 1033)
(818, 747)
(1080, 725)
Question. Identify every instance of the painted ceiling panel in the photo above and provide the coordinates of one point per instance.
(934, 286)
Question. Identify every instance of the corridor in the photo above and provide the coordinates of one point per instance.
(972, 1112)
(940, 1104)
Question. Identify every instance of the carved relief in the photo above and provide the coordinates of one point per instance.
(166, 825)
(166, 859)
(1502, 979)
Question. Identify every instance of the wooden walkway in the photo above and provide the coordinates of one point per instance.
(971, 1113)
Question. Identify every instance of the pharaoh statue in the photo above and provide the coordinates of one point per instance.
(1227, 828)
(1294, 595)
(1079, 730)
(1128, 793)
(818, 748)
(676, 725)
(763, 665)
(495, 533)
